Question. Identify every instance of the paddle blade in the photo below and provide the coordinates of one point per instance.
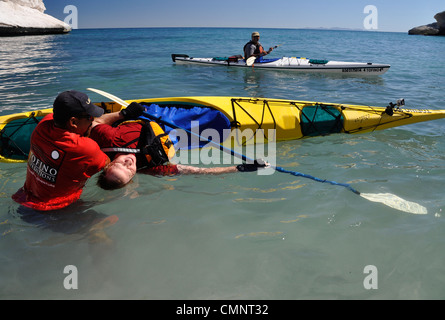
(110, 96)
(395, 202)
(250, 61)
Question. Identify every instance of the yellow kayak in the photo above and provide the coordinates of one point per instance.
(298, 119)
(241, 119)
(15, 134)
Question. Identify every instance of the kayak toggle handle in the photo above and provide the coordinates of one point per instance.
(390, 108)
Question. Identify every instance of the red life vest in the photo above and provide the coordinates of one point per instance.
(154, 147)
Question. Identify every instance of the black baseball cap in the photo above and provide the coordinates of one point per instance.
(74, 103)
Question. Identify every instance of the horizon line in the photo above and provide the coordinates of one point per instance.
(283, 28)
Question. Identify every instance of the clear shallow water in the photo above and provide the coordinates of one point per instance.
(239, 236)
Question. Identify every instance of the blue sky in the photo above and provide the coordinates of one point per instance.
(393, 15)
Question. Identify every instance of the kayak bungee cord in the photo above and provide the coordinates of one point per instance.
(388, 199)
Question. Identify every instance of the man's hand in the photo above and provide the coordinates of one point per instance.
(133, 111)
(250, 167)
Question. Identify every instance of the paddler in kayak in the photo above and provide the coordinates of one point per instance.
(126, 142)
(254, 47)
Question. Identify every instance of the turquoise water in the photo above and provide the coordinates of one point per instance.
(239, 236)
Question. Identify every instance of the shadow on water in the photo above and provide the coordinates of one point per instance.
(81, 220)
(78, 218)
(78, 221)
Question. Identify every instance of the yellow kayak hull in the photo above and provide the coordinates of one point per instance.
(286, 116)
(288, 119)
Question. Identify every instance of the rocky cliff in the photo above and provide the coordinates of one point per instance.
(433, 29)
(27, 17)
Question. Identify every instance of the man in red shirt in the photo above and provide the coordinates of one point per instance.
(62, 158)
(124, 165)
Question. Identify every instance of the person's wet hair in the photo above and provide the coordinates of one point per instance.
(106, 183)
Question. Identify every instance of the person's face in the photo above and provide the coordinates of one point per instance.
(122, 169)
(83, 124)
(255, 39)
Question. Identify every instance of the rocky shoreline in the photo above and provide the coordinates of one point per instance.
(432, 29)
(21, 31)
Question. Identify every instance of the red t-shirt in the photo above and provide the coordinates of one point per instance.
(107, 136)
(59, 165)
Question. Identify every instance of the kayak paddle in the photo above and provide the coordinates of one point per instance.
(388, 199)
(250, 61)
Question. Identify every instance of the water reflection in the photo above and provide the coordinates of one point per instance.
(297, 85)
(26, 65)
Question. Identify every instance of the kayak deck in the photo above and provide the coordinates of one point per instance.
(299, 119)
(15, 134)
(239, 120)
(290, 63)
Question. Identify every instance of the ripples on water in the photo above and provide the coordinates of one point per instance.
(28, 67)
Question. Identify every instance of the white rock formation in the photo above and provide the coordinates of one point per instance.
(28, 17)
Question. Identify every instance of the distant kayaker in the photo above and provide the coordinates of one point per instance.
(254, 47)
(124, 165)
(62, 158)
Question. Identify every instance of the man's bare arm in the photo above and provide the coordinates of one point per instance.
(108, 118)
(183, 169)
